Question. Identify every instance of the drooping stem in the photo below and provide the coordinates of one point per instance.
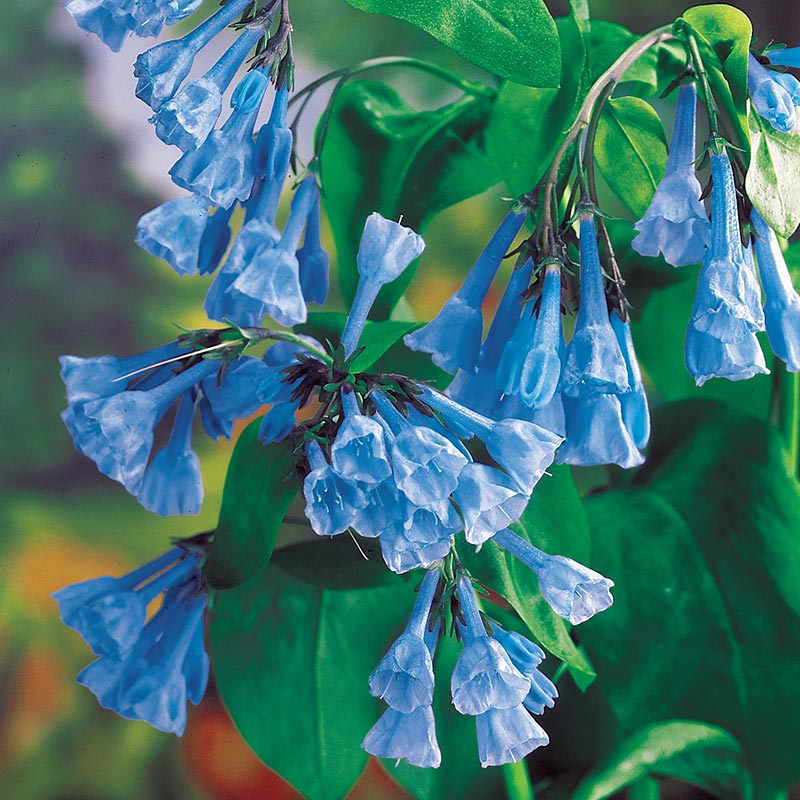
(517, 781)
(610, 77)
(702, 76)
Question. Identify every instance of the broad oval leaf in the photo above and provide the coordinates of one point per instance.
(381, 155)
(631, 151)
(517, 41)
(259, 486)
(773, 177)
(527, 125)
(708, 586)
(704, 755)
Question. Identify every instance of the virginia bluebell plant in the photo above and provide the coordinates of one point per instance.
(434, 476)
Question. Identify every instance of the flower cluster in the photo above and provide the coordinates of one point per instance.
(496, 679)
(145, 670)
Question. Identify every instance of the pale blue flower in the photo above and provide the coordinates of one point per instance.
(526, 657)
(385, 250)
(161, 69)
(635, 412)
(358, 452)
(727, 305)
(313, 261)
(506, 735)
(462, 312)
(418, 537)
(530, 366)
(172, 482)
(786, 57)
(221, 169)
(707, 357)
(676, 223)
(410, 736)
(774, 95)
(187, 118)
(782, 307)
(573, 591)
(594, 362)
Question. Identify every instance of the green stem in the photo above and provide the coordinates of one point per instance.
(644, 789)
(517, 781)
(700, 70)
(610, 77)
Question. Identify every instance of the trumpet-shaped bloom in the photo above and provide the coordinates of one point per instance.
(187, 118)
(573, 591)
(220, 170)
(707, 357)
(676, 223)
(506, 735)
(597, 433)
(526, 657)
(161, 69)
(359, 450)
(462, 312)
(594, 361)
(635, 412)
(782, 307)
(774, 95)
(410, 736)
(727, 305)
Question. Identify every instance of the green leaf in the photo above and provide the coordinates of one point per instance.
(517, 41)
(381, 155)
(291, 662)
(773, 177)
(708, 586)
(527, 125)
(378, 338)
(725, 33)
(631, 151)
(259, 487)
(703, 755)
(336, 563)
(554, 499)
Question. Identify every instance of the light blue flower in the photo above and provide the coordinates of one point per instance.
(182, 232)
(635, 412)
(483, 677)
(331, 501)
(410, 736)
(479, 391)
(506, 735)
(774, 95)
(220, 170)
(488, 500)
(145, 671)
(786, 57)
(101, 376)
(271, 276)
(782, 307)
(161, 69)
(107, 20)
(187, 118)
(359, 450)
(573, 591)
(530, 366)
(385, 250)
(312, 258)
(727, 305)
(526, 657)
(462, 312)
(523, 449)
(594, 362)
(110, 613)
(597, 433)
(418, 537)
(149, 683)
(172, 482)
(116, 432)
(404, 677)
(676, 223)
(707, 357)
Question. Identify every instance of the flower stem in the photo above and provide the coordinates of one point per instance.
(786, 411)
(610, 77)
(517, 781)
(702, 76)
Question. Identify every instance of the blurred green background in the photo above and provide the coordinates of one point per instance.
(73, 281)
